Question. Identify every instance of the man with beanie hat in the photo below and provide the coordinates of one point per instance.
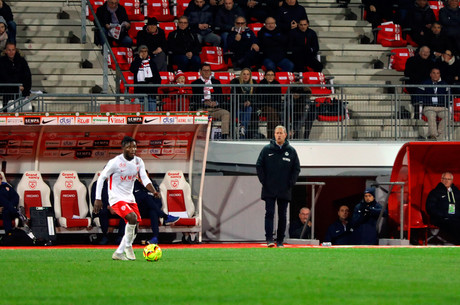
(364, 221)
(154, 38)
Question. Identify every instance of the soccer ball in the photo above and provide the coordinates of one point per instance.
(152, 252)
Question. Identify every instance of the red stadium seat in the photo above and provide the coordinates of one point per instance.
(285, 78)
(435, 7)
(457, 109)
(258, 76)
(255, 27)
(33, 191)
(316, 78)
(225, 78)
(135, 28)
(176, 195)
(334, 115)
(166, 77)
(168, 27)
(179, 7)
(399, 57)
(96, 4)
(124, 57)
(70, 205)
(129, 77)
(159, 9)
(191, 77)
(133, 9)
(213, 56)
(390, 35)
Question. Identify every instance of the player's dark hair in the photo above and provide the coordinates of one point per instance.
(126, 140)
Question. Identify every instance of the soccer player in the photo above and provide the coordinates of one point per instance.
(122, 171)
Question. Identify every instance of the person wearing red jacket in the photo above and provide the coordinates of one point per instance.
(177, 96)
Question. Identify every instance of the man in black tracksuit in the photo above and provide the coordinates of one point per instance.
(364, 221)
(443, 210)
(278, 167)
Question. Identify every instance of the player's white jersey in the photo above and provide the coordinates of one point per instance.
(121, 175)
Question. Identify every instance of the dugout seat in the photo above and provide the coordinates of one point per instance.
(70, 205)
(33, 192)
(176, 195)
(15, 221)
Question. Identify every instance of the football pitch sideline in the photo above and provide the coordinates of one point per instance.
(196, 275)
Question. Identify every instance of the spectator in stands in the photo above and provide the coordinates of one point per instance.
(244, 103)
(304, 46)
(145, 73)
(441, 206)
(378, 11)
(435, 104)
(305, 112)
(270, 101)
(449, 17)
(14, 69)
(115, 24)
(273, 44)
(154, 38)
(3, 33)
(242, 42)
(105, 213)
(297, 226)
(9, 200)
(184, 47)
(419, 19)
(225, 18)
(178, 97)
(449, 67)
(339, 232)
(201, 19)
(210, 98)
(289, 15)
(5, 12)
(278, 167)
(417, 70)
(364, 221)
(122, 171)
(437, 40)
(259, 10)
(150, 207)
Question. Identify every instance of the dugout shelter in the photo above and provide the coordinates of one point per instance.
(50, 143)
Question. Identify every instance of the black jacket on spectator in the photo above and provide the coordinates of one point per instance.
(269, 95)
(426, 94)
(304, 47)
(277, 170)
(154, 41)
(6, 12)
(16, 71)
(364, 223)
(183, 41)
(273, 44)
(287, 13)
(417, 18)
(198, 15)
(417, 69)
(338, 234)
(104, 17)
(449, 72)
(295, 229)
(241, 49)
(225, 19)
(437, 204)
(155, 79)
(437, 43)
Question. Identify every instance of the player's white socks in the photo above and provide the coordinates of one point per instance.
(128, 238)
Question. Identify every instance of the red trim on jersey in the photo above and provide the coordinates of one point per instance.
(110, 181)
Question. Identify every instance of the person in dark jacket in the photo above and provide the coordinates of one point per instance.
(150, 207)
(449, 17)
(259, 10)
(201, 19)
(304, 46)
(225, 18)
(269, 101)
(449, 66)
(184, 47)
(278, 168)
(378, 11)
(339, 232)
(154, 38)
(242, 42)
(296, 227)
(9, 200)
(289, 15)
(419, 19)
(5, 12)
(14, 69)
(273, 44)
(113, 17)
(441, 206)
(435, 104)
(145, 72)
(364, 221)
(437, 40)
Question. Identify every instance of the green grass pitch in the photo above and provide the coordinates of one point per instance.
(233, 276)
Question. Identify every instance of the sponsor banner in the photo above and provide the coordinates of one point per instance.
(134, 120)
(168, 120)
(66, 120)
(203, 119)
(2, 121)
(100, 120)
(49, 121)
(85, 143)
(14, 121)
(32, 121)
(68, 143)
(184, 120)
(152, 120)
(117, 120)
(100, 154)
(83, 120)
(66, 153)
